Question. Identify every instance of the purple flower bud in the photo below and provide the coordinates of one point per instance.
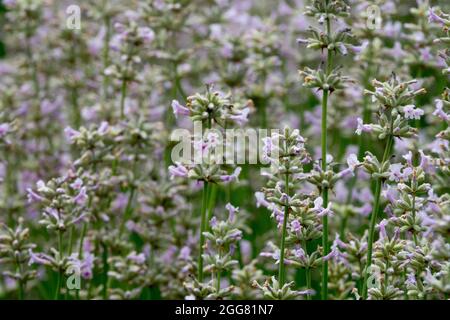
(408, 158)
(178, 109)
(81, 198)
(185, 253)
(213, 222)
(232, 211)
(242, 117)
(71, 134)
(136, 258)
(433, 17)
(77, 184)
(178, 171)
(362, 127)
(382, 227)
(439, 111)
(146, 34)
(233, 177)
(33, 196)
(4, 128)
(260, 200)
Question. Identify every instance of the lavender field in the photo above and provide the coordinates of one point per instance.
(225, 149)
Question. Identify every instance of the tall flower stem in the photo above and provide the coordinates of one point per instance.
(206, 206)
(105, 279)
(212, 200)
(413, 211)
(218, 274)
(30, 60)
(308, 281)
(22, 284)
(123, 94)
(324, 164)
(202, 229)
(123, 89)
(105, 56)
(324, 197)
(60, 272)
(307, 271)
(373, 218)
(281, 270)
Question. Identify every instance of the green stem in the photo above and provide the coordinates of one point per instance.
(325, 247)
(10, 185)
(218, 274)
(70, 246)
(212, 200)
(21, 287)
(123, 94)
(107, 21)
(324, 164)
(308, 281)
(60, 272)
(413, 211)
(105, 271)
(373, 218)
(386, 276)
(324, 196)
(307, 270)
(218, 282)
(281, 269)
(202, 229)
(31, 63)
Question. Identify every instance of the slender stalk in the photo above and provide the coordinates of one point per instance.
(324, 164)
(202, 229)
(324, 196)
(60, 272)
(76, 115)
(218, 282)
(212, 200)
(107, 21)
(413, 211)
(105, 271)
(123, 94)
(326, 248)
(373, 218)
(281, 269)
(21, 287)
(307, 271)
(414, 216)
(308, 281)
(203, 223)
(10, 184)
(386, 276)
(218, 274)
(31, 63)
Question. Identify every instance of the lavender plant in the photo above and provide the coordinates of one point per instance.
(122, 177)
